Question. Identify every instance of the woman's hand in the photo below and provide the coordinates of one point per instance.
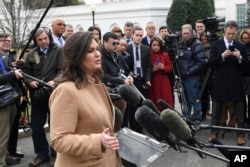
(109, 141)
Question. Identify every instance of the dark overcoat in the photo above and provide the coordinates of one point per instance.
(228, 73)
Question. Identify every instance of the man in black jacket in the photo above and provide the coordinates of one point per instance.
(190, 62)
(7, 113)
(44, 63)
(150, 29)
(140, 65)
(5, 46)
(113, 66)
(228, 56)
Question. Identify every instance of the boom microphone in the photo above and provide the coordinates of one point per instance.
(129, 94)
(177, 125)
(151, 122)
(118, 119)
(151, 105)
(164, 105)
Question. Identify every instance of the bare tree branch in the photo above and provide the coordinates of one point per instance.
(15, 18)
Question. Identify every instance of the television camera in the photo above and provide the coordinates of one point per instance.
(213, 25)
(171, 43)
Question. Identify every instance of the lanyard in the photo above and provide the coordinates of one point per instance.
(4, 70)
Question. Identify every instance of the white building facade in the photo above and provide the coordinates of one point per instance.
(108, 15)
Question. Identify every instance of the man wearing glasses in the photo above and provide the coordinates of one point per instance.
(113, 67)
(5, 46)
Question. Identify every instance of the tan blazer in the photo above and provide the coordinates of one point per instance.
(78, 118)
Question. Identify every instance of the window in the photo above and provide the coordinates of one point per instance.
(241, 15)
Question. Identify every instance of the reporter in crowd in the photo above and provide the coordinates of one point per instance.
(113, 66)
(206, 78)
(82, 129)
(44, 63)
(127, 29)
(96, 33)
(140, 65)
(150, 30)
(8, 111)
(161, 88)
(200, 28)
(245, 39)
(228, 56)
(69, 30)
(5, 46)
(58, 28)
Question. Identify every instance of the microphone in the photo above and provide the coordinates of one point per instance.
(118, 119)
(130, 95)
(151, 122)
(164, 105)
(151, 105)
(177, 125)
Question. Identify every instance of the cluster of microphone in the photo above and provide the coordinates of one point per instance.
(168, 125)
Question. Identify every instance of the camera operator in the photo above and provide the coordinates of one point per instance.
(228, 56)
(43, 62)
(190, 62)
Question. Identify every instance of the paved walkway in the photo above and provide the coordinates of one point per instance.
(170, 158)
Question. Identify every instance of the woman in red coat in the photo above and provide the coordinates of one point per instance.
(161, 68)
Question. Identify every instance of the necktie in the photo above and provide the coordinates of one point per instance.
(4, 70)
(229, 44)
(60, 41)
(138, 69)
(128, 41)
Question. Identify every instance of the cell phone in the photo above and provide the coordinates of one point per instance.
(157, 61)
(231, 48)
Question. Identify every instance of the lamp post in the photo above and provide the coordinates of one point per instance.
(93, 8)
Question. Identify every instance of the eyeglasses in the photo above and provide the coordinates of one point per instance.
(5, 40)
(115, 43)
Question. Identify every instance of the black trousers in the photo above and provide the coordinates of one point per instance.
(238, 111)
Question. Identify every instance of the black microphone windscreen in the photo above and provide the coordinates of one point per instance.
(223, 151)
(164, 105)
(172, 120)
(151, 122)
(129, 94)
(151, 105)
(118, 119)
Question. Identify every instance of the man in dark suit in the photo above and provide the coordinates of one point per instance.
(140, 64)
(150, 29)
(227, 56)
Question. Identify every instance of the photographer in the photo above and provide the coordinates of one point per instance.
(190, 62)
